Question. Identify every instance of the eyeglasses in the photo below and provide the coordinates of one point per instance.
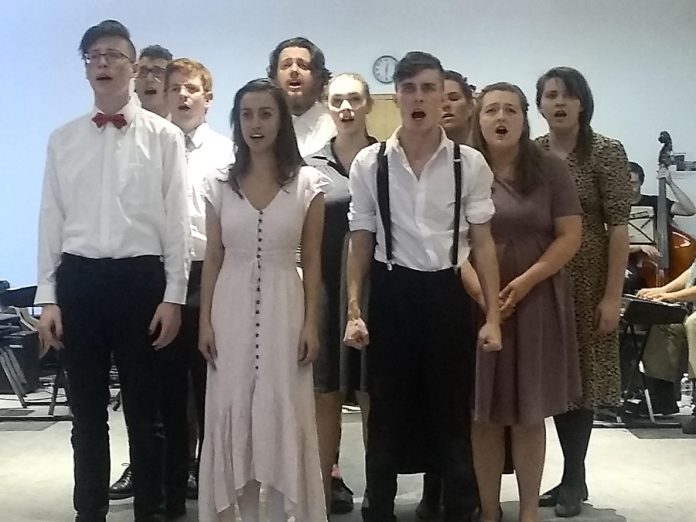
(111, 55)
(157, 72)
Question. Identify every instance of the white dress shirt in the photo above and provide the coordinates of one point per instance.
(422, 208)
(115, 193)
(313, 129)
(208, 153)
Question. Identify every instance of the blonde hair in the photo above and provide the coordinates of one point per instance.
(190, 68)
(357, 77)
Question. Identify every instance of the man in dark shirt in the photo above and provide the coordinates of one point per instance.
(683, 206)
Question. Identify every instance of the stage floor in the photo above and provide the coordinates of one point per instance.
(642, 475)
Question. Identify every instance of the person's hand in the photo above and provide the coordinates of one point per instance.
(206, 343)
(667, 297)
(607, 315)
(356, 335)
(512, 294)
(309, 345)
(489, 337)
(650, 251)
(166, 320)
(50, 326)
(650, 293)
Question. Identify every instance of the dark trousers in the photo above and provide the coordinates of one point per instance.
(420, 359)
(107, 306)
(197, 365)
(171, 373)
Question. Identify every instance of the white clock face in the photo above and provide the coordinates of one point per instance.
(383, 68)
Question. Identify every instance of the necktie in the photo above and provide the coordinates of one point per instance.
(102, 119)
(190, 146)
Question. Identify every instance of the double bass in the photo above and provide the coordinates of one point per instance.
(677, 248)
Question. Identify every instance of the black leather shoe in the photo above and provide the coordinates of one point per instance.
(550, 498)
(192, 486)
(569, 502)
(341, 497)
(123, 487)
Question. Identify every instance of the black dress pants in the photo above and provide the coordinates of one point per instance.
(197, 365)
(171, 371)
(107, 306)
(420, 359)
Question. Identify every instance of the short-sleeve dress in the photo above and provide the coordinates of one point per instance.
(260, 421)
(537, 373)
(603, 183)
(338, 366)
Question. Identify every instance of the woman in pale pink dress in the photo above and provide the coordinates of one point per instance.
(259, 321)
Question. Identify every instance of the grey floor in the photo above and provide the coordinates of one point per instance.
(636, 476)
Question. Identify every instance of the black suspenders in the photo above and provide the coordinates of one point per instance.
(385, 211)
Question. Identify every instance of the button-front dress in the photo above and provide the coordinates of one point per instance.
(260, 422)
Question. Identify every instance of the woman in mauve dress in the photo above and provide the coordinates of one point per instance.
(536, 228)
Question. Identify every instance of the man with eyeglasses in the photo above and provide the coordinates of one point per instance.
(149, 83)
(112, 268)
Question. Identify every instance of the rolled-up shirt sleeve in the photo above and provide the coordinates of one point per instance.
(51, 219)
(362, 212)
(177, 233)
(478, 205)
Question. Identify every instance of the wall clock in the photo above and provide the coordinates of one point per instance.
(383, 68)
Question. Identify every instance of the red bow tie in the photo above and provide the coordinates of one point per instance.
(102, 119)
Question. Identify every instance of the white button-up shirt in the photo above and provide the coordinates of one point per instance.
(313, 129)
(208, 154)
(422, 208)
(115, 193)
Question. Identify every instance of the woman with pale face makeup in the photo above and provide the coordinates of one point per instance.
(536, 229)
(457, 107)
(259, 323)
(339, 370)
(600, 169)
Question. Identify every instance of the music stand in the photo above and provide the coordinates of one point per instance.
(641, 226)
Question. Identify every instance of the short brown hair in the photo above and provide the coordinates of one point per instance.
(189, 68)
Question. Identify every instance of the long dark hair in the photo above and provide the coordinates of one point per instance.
(528, 161)
(577, 86)
(287, 155)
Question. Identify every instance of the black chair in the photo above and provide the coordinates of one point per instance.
(23, 298)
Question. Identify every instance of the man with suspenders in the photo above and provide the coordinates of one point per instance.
(423, 199)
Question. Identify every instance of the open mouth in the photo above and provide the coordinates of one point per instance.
(447, 116)
(183, 107)
(295, 84)
(346, 117)
(256, 136)
(150, 92)
(560, 113)
(501, 131)
(418, 115)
